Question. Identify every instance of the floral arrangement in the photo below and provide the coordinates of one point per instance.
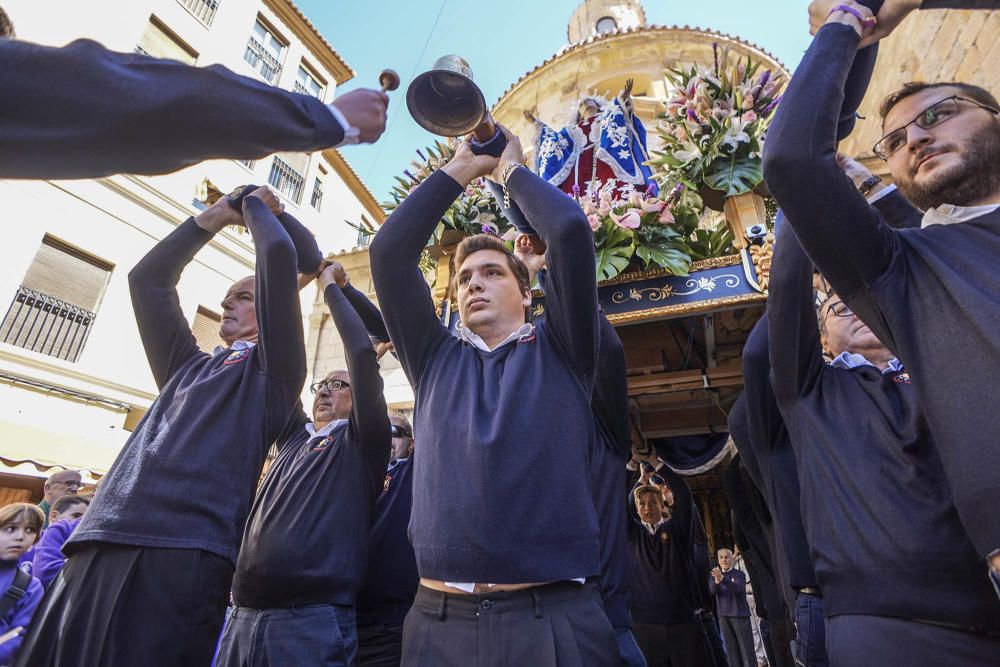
(475, 212)
(665, 232)
(714, 125)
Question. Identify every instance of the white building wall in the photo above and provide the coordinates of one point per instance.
(119, 219)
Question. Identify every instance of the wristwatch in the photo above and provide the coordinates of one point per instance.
(869, 183)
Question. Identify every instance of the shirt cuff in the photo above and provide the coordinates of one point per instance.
(882, 193)
(352, 135)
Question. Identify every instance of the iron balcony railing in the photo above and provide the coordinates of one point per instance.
(262, 60)
(286, 180)
(203, 10)
(317, 197)
(299, 88)
(43, 323)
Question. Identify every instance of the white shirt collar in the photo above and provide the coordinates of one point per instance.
(473, 339)
(311, 429)
(651, 528)
(238, 345)
(848, 360)
(948, 214)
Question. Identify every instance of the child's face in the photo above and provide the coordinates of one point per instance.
(15, 539)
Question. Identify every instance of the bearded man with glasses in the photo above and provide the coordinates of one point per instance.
(305, 547)
(928, 293)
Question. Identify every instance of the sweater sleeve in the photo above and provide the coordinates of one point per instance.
(764, 422)
(128, 113)
(610, 397)
(166, 334)
(402, 292)
(844, 236)
(282, 353)
(20, 616)
(49, 558)
(793, 331)
(369, 415)
(307, 252)
(368, 312)
(570, 287)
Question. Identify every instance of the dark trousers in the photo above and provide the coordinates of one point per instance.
(737, 634)
(380, 645)
(319, 634)
(881, 641)
(561, 624)
(713, 639)
(673, 644)
(122, 606)
(810, 631)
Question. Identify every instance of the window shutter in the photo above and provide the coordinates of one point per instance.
(206, 329)
(158, 42)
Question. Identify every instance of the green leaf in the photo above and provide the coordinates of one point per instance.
(676, 261)
(614, 248)
(734, 175)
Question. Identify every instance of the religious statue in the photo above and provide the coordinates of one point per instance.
(602, 154)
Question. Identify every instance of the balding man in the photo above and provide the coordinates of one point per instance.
(149, 567)
(56, 486)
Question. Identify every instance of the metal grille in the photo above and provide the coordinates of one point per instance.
(317, 195)
(262, 61)
(299, 88)
(43, 323)
(249, 164)
(286, 180)
(203, 10)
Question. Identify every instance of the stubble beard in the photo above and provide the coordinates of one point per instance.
(975, 178)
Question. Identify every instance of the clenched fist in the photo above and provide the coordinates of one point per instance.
(364, 109)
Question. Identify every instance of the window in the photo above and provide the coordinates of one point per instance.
(158, 41)
(365, 232)
(317, 195)
(308, 83)
(206, 329)
(54, 309)
(249, 164)
(606, 24)
(203, 10)
(264, 51)
(287, 174)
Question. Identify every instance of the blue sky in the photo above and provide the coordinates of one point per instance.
(516, 35)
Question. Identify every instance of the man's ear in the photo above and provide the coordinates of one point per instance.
(526, 298)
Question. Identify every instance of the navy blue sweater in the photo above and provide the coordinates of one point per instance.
(884, 535)
(608, 473)
(767, 444)
(731, 594)
(926, 293)
(82, 111)
(662, 590)
(306, 541)
(480, 412)
(214, 413)
(391, 581)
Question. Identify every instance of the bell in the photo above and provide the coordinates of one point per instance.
(445, 100)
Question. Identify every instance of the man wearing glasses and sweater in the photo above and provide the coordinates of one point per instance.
(925, 292)
(305, 548)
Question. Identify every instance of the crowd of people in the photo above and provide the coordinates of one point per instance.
(516, 522)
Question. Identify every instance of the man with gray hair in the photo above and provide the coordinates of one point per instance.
(729, 586)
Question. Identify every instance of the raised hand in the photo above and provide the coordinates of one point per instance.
(267, 195)
(334, 273)
(531, 251)
(218, 216)
(466, 166)
(364, 109)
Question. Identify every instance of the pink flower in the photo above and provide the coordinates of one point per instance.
(653, 205)
(603, 210)
(666, 217)
(749, 116)
(594, 221)
(630, 219)
(587, 206)
(635, 199)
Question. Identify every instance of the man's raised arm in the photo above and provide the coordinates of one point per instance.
(82, 111)
(369, 416)
(844, 236)
(276, 294)
(165, 332)
(570, 284)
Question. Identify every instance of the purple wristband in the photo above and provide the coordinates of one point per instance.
(870, 21)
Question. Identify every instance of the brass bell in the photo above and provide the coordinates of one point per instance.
(445, 100)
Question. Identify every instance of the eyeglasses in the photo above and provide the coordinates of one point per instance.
(400, 432)
(932, 116)
(841, 309)
(331, 385)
